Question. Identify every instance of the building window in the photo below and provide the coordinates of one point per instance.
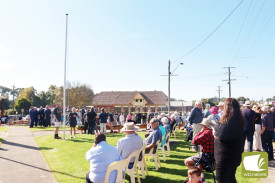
(140, 100)
(136, 100)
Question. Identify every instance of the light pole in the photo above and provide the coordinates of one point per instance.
(169, 75)
(64, 88)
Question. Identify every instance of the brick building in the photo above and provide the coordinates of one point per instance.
(130, 101)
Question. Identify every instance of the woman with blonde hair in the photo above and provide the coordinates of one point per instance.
(73, 120)
(257, 142)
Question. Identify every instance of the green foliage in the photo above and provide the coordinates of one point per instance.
(22, 103)
(9, 112)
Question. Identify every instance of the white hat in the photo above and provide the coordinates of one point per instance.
(220, 104)
(207, 122)
(265, 109)
(130, 127)
(247, 103)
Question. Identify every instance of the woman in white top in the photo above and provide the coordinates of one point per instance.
(122, 118)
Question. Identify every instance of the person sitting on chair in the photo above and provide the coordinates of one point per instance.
(100, 156)
(204, 138)
(154, 136)
(130, 143)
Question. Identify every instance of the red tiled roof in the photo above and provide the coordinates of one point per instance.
(125, 97)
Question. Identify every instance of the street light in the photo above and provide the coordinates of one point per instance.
(170, 74)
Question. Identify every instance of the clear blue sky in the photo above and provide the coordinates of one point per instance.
(126, 45)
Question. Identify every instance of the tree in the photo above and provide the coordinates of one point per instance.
(207, 101)
(22, 103)
(77, 94)
(241, 99)
(27, 93)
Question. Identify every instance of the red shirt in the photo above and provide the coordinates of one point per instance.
(206, 140)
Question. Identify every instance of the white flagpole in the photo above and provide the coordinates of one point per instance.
(64, 88)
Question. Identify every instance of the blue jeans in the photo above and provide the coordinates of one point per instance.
(249, 136)
(267, 143)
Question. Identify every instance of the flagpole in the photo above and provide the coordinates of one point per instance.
(64, 88)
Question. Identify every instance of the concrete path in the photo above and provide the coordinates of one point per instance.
(21, 160)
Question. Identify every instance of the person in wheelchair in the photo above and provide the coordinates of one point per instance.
(205, 139)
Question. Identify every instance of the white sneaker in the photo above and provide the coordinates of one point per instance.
(74, 136)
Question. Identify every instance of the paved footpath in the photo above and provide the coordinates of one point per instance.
(21, 160)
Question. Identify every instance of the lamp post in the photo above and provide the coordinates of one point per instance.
(169, 75)
(64, 88)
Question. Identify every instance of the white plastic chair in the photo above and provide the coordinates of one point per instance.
(174, 131)
(166, 144)
(142, 163)
(154, 155)
(162, 147)
(132, 171)
(120, 167)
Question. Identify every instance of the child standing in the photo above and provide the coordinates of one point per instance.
(73, 120)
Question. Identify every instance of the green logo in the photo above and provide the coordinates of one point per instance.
(255, 164)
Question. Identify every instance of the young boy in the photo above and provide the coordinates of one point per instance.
(194, 175)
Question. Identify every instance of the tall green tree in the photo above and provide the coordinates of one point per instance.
(22, 103)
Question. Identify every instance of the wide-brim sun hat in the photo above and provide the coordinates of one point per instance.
(247, 103)
(220, 104)
(208, 123)
(130, 127)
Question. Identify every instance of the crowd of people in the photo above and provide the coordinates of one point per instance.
(219, 134)
(222, 133)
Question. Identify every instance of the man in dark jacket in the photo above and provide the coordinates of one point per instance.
(35, 116)
(31, 113)
(41, 116)
(249, 127)
(83, 111)
(195, 118)
(47, 115)
(91, 117)
(103, 120)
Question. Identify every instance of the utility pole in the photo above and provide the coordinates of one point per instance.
(169, 76)
(229, 79)
(169, 73)
(219, 91)
(13, 99)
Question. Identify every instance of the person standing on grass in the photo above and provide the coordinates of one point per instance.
(228, 144)
(249, 128)
(100, 156)
(57, 116)
(47, 115)
(91, 118)
(73, 120)
(103, 120)
(195, 119)
(122, 118)
(267, 132)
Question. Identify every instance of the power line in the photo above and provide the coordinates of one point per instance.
(265, 26)
(211, 33)
(242, 26)
(252, 26)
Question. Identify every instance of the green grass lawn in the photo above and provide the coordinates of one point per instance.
(67, 159)
(4, 129)
(52, 128)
